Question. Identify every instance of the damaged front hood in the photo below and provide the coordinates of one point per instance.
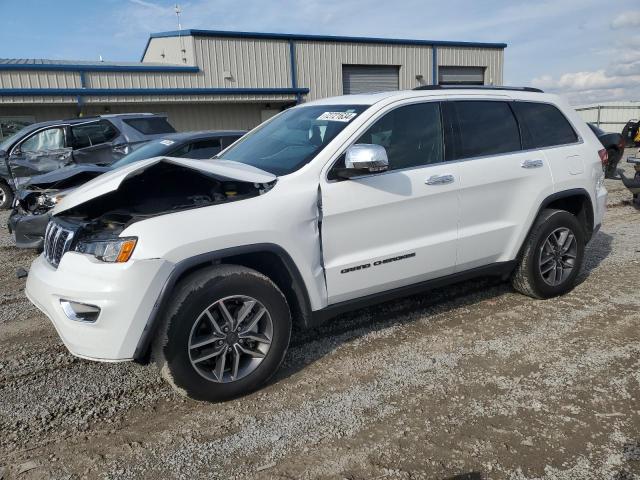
(65, 177)
(111, 181)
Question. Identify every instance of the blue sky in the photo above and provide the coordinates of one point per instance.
(588, 50)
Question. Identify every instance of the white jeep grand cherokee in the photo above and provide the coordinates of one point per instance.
(328, 206)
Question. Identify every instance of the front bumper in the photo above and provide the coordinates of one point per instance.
(125, 294)
(28, 230)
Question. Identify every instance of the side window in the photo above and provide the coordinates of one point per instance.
(199, 150)
(94, 133)
(49, 139)
(543, 125)
(412, 135)
(484, 128)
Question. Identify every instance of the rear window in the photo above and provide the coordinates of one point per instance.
(199, 150)
(150, 125)
(543, 125)
(94, 133)
(484, 128)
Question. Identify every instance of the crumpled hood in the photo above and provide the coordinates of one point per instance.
(110, 181)
(49, 179)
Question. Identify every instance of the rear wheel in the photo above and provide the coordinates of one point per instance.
(225, 334)
(551, 257)
(6, 196)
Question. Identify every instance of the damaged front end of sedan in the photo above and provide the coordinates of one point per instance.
(36, 198)
(93, 217)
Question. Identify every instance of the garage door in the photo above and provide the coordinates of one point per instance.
(461, 75)
(369, 78)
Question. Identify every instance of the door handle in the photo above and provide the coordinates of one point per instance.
(440, 179)
(532, 164)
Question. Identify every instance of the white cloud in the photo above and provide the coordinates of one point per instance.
(595, 80)
(626, 20)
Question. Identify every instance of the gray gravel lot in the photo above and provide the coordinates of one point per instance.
(467, 382)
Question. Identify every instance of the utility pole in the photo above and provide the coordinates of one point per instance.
(178, 11)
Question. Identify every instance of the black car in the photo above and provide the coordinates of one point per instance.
(40, 194)
(614, 143)
(46, 146)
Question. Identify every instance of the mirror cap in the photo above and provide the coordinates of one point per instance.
(368, 157)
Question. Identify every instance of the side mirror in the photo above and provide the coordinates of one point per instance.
(364, 158)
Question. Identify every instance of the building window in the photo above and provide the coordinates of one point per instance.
(460, 75)
(370, 78)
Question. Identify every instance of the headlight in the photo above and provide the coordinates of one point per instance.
(118, 250)
(55, 199)
(49, 200)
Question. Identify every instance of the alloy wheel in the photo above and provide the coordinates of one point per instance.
(558, 256)
(230, 338)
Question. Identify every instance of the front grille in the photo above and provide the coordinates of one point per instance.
(57, 241)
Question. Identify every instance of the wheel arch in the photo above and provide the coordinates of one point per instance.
(269, 259)
(576, 201)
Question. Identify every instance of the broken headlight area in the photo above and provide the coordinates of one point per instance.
(161, 189)
(38, 202)
(117, 250)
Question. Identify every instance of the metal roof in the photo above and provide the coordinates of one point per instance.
(88, 65)
(323, 38)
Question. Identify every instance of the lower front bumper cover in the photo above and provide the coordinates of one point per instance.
(125, 294)
(28, 230)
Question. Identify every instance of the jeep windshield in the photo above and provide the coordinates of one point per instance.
(293, 138)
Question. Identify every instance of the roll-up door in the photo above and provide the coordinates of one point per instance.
(369, 78)
(461, 75)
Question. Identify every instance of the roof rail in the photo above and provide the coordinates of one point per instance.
(477, 87)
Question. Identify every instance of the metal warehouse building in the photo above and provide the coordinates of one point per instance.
(216, 79)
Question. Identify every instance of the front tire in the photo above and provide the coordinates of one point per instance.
(551, 257)
(224, 335)
(6, 196)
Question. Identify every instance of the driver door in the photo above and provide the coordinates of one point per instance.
(43, 151)
(391, 229)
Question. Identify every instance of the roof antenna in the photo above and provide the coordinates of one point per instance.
(178, 11)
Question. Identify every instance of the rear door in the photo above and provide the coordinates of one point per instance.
(93, 142)
(547, 129)
(500, 183)
(394, 228)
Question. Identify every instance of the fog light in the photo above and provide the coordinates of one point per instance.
(80, 312)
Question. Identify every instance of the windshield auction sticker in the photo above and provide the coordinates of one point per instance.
(337, 116)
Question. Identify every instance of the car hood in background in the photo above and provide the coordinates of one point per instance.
(224, 170)
(64, 176)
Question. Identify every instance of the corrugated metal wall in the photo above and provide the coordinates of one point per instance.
(319, 64)
(39, 79)
(185, 117)
(41, 113)
(257, 63)
(492, 59)
(169, 50)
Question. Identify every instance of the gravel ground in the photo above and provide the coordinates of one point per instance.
(468, 382)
